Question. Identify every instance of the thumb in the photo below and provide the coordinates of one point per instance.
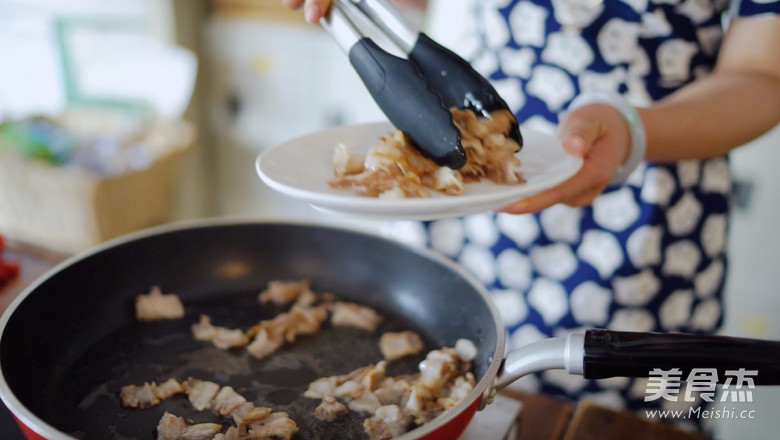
(313, 10)
(578, 134)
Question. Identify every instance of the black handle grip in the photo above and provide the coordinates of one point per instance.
(633, 354)
(458, 84)
(407, 101)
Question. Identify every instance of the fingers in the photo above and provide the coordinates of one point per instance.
(293, 4)
(578, 133)
(598, 167)
(597, 133)
(584, 199)
(579, 190)
(313, 10)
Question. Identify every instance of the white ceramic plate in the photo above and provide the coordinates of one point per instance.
(301, 168)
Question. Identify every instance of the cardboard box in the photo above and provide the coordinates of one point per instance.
(69, 209)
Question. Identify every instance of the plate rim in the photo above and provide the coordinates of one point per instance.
(353, 204)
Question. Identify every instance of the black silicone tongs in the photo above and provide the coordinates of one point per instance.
(415, 93)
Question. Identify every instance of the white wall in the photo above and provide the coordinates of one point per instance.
(753, 287)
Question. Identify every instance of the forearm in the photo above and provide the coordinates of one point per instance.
(712, 116)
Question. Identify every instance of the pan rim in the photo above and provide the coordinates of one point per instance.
(44, 429)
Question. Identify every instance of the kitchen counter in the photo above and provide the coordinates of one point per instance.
(546, 417)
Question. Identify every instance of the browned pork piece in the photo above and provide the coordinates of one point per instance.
(149, 394)
(438, 368)
(155, 306)
(283, 292)
(393, 168)
(227, 401)
(230, 434)
(348, 385)
(395, 390)
(221, 337)
(201, 393)
(252, 422)
(346, 164)
(460, 388)
(171, 427)
(272, 426)
(354, 315)
(438, 387)
(329, 409)
(389, 421)
(397, 404)
(397, 345)
(269, 335)
(489, 152)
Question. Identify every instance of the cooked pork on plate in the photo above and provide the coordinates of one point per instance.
(393, 168)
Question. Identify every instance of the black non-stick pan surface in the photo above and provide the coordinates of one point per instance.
(73, 342)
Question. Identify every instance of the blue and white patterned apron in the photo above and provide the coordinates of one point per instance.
(648, 255)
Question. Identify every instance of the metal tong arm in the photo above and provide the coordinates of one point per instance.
(450, 76)
(341, 27)
(397, 86)
(390, 21)
(383, 17)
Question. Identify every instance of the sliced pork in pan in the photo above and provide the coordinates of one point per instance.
(272, 426)
(221, 337)
(354, 315)
(171, 427)
(398, 404)
(329, 409)
(283, 292)
(155, 306)
(271, 334)
(397, 345)
(387, 422)
(149, 394)
(201, 393)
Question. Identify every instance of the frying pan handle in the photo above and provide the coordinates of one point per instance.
(600, 354)
(565, 353)
(631, 354)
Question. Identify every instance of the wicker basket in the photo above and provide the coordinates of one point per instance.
(69, 210)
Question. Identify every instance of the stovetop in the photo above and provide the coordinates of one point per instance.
(493, 423)
(8, 426)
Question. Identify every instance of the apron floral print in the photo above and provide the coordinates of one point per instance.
(648, 255)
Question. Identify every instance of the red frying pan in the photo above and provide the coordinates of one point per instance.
(70, 340)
